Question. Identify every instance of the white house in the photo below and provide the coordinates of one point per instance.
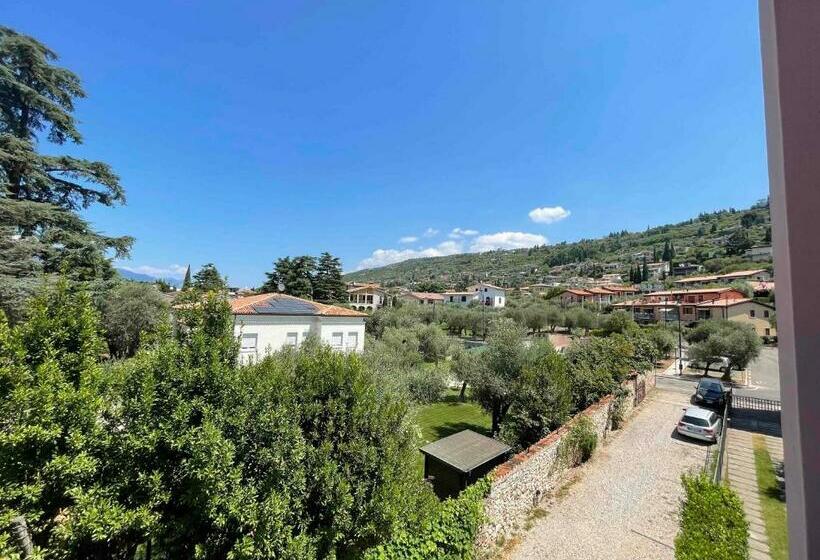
(266, 323)
(367, 297)
(489, 295)
(422, 298)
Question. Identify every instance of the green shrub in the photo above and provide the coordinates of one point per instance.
(578, 445)
(448, 534)
(616, 414)
(712, 523)
(426, 385)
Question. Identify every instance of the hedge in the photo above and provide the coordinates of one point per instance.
(449, 535)
(712, 523)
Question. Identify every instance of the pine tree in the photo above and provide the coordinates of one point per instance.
(328, 286)
(208, 279)
(296, 275)
(40, 195)
(654, 253)
(186, 283)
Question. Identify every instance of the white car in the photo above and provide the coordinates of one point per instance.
(700, 423)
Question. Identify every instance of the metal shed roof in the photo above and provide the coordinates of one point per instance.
(465, 450)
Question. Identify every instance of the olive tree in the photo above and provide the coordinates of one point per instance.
(129, 311)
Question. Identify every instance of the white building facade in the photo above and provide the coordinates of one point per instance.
(267, 323)
(489, 295)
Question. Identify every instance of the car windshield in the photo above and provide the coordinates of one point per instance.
(694, 421)
(711, 386)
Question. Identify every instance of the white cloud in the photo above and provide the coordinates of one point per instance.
(430, 232)
(383, 257)
(408, 239)
(458, 233)
(548, 214)
(506, 240)
(170, 271)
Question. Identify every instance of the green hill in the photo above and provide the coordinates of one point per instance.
(715, 240)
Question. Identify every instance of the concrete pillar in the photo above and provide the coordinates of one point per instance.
(790, 40)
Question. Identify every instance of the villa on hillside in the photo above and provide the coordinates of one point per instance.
(603, 295)
(690, 306)
(756, 275)
(483, 293)
(266, 323)
(366, 297)
(422, 298)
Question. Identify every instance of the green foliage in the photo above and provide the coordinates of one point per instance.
(302, 455)
(130, 311)
(41, 232)
(738, 243)
(664, 340)
(328, 286)
(542, 403)
(579, 443)
(208, 279)
(712, 340)
(449, 534)
(618, 322)
(712, 522)
(433, 343)
(426, 385)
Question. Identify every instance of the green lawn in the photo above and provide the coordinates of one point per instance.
(774, 509)
(449, 416)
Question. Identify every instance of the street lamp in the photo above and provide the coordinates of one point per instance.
(680, 338)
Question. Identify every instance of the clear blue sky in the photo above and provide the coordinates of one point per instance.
(247, 131)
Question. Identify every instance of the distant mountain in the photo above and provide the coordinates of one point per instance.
(139, 277)
(707, 240)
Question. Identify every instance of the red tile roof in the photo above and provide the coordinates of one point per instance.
(246, 306)
(426, 295)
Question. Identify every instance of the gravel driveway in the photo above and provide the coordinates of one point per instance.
(624, 504)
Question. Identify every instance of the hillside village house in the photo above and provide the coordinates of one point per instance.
(602, 295)
(422, 298)
(489, 295)
(756, 275)
(366, 297)
(699, 304)
(760, 253)
(266, 323)
(745, 310)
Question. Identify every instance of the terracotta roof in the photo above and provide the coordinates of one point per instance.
(693, 279)
(577, 292)
(742, 273)
(613, 288)
(266, 304)
(374, 287)
(731, 302)
(426, 295)
(602, 291)
(692, 291)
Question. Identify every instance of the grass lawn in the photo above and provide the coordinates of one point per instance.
(449, 416)
(774, 509)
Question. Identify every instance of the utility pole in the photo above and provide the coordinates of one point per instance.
(680, 339)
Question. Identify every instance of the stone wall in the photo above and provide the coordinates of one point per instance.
(522, 482)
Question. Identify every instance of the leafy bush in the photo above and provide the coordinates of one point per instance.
(712, 522)
(449, 534)
(130, 311)
(426, 385)
(578, 445)
(618, 322)
(616, 415)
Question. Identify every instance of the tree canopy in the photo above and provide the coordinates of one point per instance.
(40, 230)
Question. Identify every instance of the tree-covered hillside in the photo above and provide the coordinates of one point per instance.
(716, 240)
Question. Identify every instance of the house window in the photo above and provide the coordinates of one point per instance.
(369, 299)
(451, 299)
(688, 310)
(768, 332)
(352, 340)
(291, 339)
(336, 340)
(700, 298)
(766, 313)
(751, 313)
(248, 343)
(485, 289)
(463, 298)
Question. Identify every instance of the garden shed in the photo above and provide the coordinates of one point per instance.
(454, 462)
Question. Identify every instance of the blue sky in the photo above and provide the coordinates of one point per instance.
(248, 131)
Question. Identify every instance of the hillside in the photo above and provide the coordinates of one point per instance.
(716, 240)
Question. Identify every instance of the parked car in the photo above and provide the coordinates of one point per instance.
(700, 423)
(711, 392)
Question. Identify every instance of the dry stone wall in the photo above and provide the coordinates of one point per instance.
(522, 482)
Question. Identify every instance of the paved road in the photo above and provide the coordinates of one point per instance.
(765, 376)
(624, 504)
